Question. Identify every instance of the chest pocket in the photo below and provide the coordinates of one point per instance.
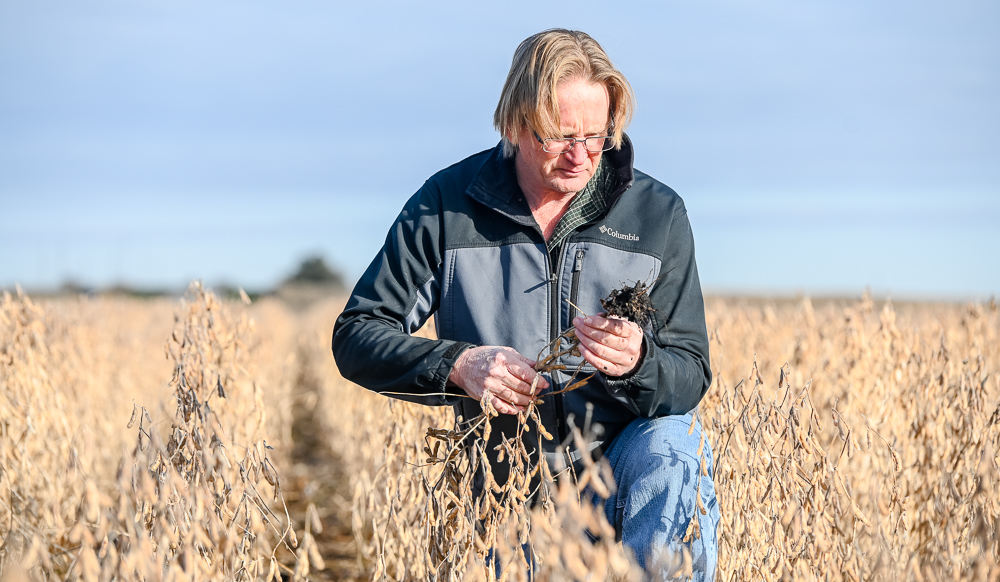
(594, 271)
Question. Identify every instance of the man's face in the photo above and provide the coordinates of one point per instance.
(583, 111)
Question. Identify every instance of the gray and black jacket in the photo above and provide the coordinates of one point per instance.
(466, 249)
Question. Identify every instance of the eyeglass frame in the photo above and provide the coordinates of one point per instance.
(610, 145)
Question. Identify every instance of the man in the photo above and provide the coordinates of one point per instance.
(503, 247)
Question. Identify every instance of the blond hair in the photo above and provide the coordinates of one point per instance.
(541, 62)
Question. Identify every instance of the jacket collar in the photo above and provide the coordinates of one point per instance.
(495, 184)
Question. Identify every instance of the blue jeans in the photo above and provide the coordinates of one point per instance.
(657, 471)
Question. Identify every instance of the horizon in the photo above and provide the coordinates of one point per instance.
(227, 289)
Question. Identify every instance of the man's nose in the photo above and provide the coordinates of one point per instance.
(578, 153)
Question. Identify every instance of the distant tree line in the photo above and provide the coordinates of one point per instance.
(315, 270)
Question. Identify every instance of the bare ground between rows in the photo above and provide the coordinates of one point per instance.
(317, 477)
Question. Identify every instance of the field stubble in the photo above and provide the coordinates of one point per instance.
(852, 441)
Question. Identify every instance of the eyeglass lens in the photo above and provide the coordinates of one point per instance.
(562, 145)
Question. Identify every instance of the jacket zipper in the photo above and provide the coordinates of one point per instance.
(574, 290)
(553, 336)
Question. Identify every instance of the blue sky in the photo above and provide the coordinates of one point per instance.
(821, 147)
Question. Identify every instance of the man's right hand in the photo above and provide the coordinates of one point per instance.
(504, 373)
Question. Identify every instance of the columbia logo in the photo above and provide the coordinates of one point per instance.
(616, 234)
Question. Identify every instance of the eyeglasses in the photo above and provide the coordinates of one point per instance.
(560, 145)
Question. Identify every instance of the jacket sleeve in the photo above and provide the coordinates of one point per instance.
(372, 341)
(675, 372)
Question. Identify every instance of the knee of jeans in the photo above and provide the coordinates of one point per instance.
(674, 435)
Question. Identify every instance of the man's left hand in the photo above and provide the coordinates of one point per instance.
(612, 345)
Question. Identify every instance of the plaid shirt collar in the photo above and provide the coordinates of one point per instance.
(587, 204)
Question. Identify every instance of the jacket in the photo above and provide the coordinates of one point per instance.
(466, 249)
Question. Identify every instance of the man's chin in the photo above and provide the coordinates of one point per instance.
(571, 186)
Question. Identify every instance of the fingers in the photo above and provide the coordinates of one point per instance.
(524, 371)
(607, 366)
(512, 400)
(609, 325)
(502, 406)
(505, 407)
(501, 374)
(613, 346)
